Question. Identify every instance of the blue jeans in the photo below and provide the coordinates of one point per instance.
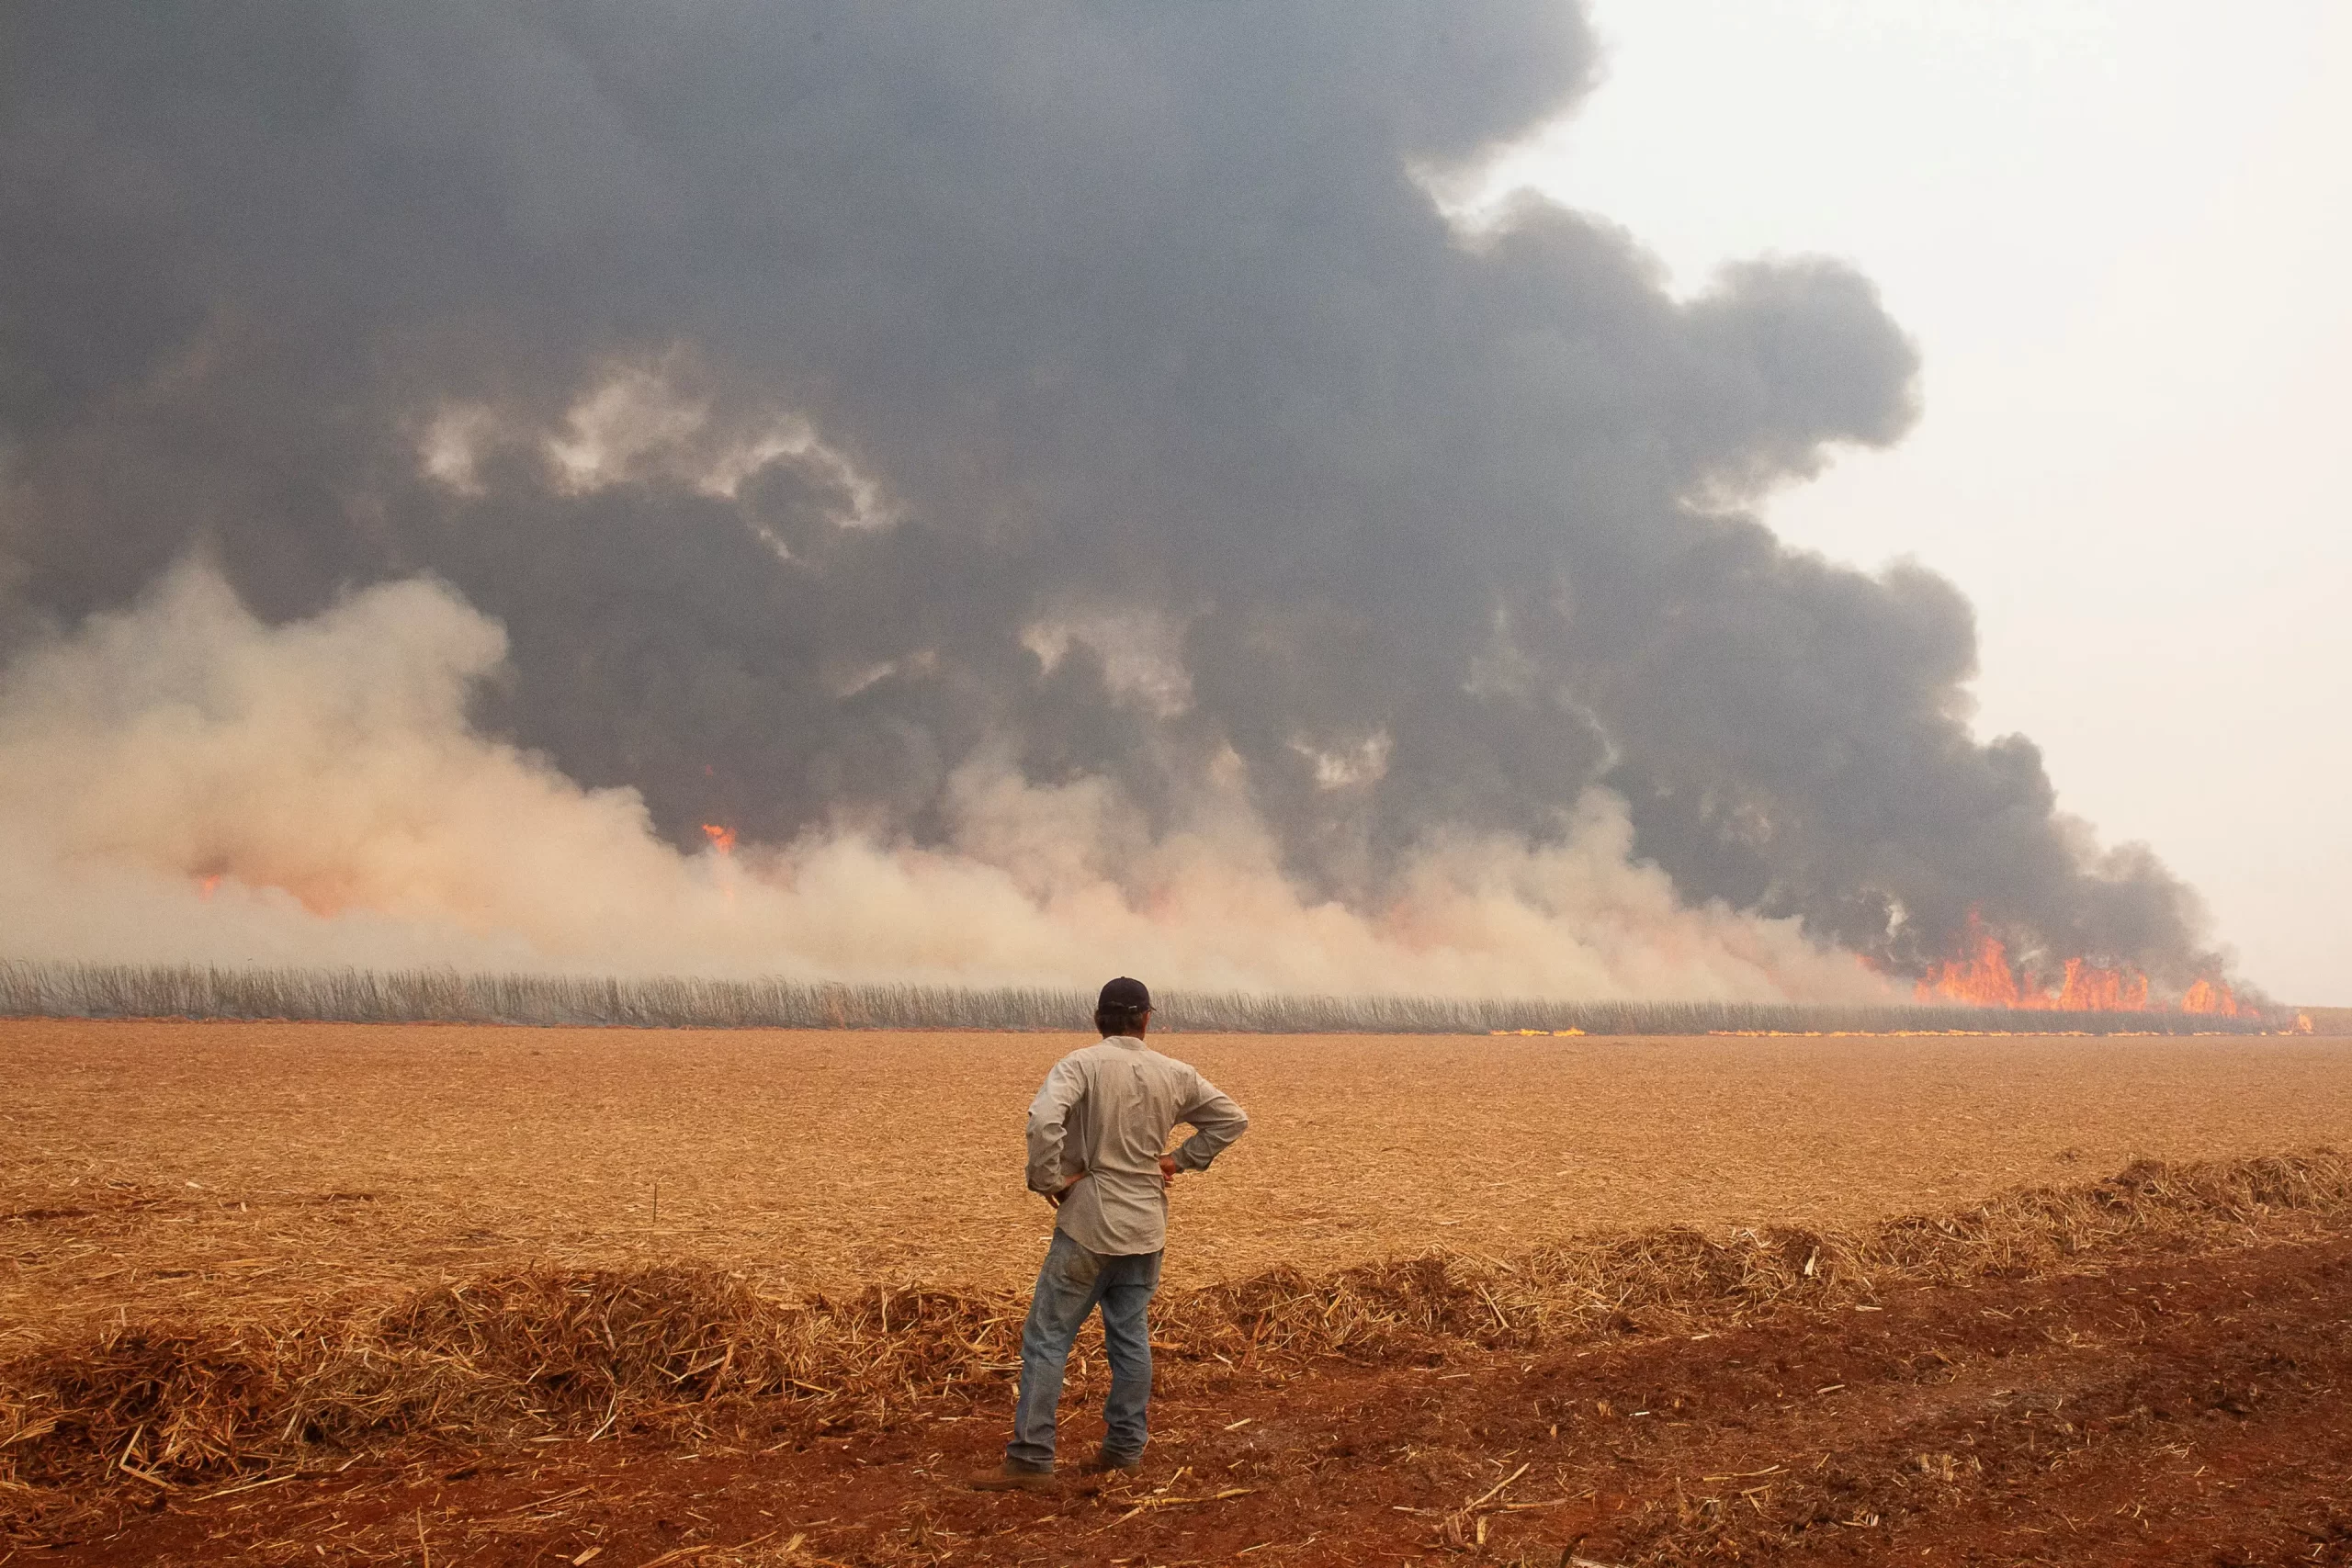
(1071, 1283)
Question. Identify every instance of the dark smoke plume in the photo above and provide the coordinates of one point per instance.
(826, 395)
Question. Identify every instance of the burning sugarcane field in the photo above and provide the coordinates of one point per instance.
(790, 785)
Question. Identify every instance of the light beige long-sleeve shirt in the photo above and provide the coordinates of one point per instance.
(1107, 1111)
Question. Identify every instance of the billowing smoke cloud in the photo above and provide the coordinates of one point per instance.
(321, 782)
(1047, 472)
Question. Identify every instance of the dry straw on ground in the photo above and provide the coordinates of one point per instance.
(689, 1350)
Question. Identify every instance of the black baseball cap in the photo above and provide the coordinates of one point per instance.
(1125, 995)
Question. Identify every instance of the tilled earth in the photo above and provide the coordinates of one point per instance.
(219, 1172)
(2182, 1409)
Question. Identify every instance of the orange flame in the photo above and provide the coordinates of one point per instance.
(1986, 979)
(2089, 989)
(721, 839)
(2206, 997)
(207, 885)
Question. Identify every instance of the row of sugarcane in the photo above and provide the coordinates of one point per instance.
(451, 996)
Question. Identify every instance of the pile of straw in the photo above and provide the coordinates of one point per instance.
(692, 1351)
(1676, 1276)
(683, 1350)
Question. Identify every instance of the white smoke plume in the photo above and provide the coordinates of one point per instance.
(182, 782)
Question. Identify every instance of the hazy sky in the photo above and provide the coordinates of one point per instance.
(2120, 231)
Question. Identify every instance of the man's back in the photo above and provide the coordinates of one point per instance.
(1096, 1129)
(1107, 1111)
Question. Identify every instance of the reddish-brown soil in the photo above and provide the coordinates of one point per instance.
(2183, 1409)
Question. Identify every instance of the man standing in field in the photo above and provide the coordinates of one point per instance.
(1096, 1133)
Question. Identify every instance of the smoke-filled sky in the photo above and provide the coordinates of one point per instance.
(1048, 481)
(2118, 231)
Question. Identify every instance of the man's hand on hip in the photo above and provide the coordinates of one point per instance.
(1168, 1168)
(1056, 1197)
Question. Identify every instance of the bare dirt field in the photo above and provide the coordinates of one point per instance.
(286, 1293)
(2143, 1415)
(225, 1168)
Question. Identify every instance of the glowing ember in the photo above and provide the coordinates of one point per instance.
(205, 887)
(721, 839)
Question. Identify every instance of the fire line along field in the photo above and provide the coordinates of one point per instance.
(369, 1293)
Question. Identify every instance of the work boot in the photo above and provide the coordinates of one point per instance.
(1014, 1476)
(1106, 1460)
